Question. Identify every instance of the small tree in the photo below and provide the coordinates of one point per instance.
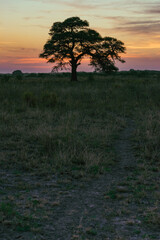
(70, 41)
(17, 73)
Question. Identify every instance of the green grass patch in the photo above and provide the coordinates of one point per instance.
(10, 217)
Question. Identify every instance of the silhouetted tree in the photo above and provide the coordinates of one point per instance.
(70, 41)
(17, 73)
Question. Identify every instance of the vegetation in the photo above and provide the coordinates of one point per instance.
(72, 40)
(17, 73)
(67, 127)
(51, 127)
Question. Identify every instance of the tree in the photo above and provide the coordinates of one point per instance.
(17, 73)
(72, 40)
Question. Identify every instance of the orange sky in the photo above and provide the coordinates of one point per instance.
(24, 26)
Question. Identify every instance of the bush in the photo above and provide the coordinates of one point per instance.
(17, 73)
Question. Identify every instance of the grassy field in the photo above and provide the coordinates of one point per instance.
(50, 125)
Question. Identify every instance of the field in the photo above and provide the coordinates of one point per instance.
(80, 160)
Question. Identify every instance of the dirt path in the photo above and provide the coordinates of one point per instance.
(100, 209)
(88, 211)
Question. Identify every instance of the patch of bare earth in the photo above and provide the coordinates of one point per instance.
(65, 209)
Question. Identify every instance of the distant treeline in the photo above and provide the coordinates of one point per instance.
(131, 72)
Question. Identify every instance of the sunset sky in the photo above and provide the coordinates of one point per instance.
(24, 27)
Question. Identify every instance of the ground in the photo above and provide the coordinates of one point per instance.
(117, 200)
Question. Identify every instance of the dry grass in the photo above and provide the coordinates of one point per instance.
(73, 134)
(51, 124)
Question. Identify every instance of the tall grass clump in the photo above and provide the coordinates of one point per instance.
(30, 99)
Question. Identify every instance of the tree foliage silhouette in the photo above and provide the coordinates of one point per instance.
(72, 40)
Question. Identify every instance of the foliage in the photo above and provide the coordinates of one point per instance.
(72, 40)
(17, 73)
(106, 52)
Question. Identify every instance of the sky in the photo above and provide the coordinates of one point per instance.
(24, 27)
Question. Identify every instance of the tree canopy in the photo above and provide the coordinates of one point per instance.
(72, 40)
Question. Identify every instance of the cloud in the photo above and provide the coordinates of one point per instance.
(83, 4)
(30, 60)
(39, 26)
(31, 18)
(116, 6)
(114, 18)
(17, 49)
(143, 22)
(36, 26)
(152, 8)
(47, 11)
(153, 11)
(132, 24)
(141, 28)
(140, 63)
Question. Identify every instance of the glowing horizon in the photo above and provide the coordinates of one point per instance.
(24, 27)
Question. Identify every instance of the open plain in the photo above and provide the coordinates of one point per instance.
(80, 160)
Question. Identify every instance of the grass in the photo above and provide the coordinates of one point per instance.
(54, 125)
(9, 216)
(51, 125)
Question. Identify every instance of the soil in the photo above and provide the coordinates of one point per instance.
(100, 208)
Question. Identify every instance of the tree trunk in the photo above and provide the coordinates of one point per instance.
(74, 72)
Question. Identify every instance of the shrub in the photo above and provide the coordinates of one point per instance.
(17, 73)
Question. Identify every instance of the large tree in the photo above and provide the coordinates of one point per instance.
(72, 40)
